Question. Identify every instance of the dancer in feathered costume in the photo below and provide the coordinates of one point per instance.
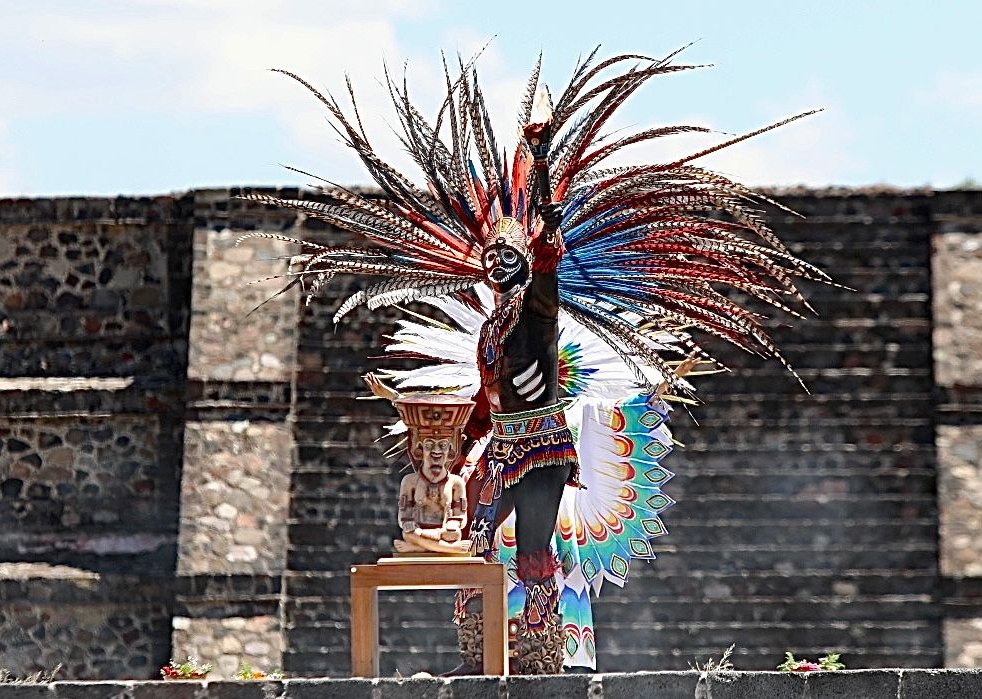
(621, 437)
(628, 252)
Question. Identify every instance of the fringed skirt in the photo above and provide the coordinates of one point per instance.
(519, 443)
(531, 439)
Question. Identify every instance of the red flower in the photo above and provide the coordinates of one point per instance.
(806, 666)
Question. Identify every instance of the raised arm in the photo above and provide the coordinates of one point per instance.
(542, 294)
(547, 246)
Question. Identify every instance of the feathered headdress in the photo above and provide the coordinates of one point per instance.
(650, 249)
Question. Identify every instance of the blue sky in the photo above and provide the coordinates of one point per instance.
(153, 96)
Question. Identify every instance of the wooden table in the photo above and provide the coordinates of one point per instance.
(430, 573)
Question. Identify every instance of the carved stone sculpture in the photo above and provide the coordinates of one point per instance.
(432, 500)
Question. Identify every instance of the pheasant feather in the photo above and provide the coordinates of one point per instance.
(651, 250)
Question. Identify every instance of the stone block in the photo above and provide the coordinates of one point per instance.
(550, 687)
(960, 498)
(91, 690)
(27, 691)
(222, 345)
(476, 688)
(244, 690)
(957, 264)
(667, 685)
(963, 642)
(214, 495)
(230, 642)
(869, 684)
(739, 685)
(929, 684)
(168, 689)
(96, 627)
(86, 473)
(410, 688)
(328, 689)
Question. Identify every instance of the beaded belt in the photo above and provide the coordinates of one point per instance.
(529, 423)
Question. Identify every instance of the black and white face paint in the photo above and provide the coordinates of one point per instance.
(504, 266)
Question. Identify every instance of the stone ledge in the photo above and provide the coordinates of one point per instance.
(868, 684)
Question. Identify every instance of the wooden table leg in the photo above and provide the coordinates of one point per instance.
(495, 630)
(364, 625)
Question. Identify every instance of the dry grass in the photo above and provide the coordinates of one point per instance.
(39, 677)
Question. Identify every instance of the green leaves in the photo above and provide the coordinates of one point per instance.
(827, 663)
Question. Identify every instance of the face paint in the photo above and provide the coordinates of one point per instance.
(504, 267)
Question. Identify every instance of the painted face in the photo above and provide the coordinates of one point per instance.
(504, 267)
(437, 455)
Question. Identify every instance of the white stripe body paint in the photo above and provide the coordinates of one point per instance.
(542, 389)
(526, 375)
(533, 383)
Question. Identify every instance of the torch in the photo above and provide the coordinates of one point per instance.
(538, 135)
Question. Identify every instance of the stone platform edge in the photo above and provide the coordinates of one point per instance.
(861, 684)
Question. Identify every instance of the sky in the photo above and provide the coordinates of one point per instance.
(157, 96)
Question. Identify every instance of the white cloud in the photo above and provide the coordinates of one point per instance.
(189, 58)
(193, 55)
(816, 151)
(955, 90)
(427, 88)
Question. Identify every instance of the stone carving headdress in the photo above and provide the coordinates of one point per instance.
(433, 415)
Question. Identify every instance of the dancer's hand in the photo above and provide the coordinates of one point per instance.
(681, 370)
(552, 214)
(379, 389)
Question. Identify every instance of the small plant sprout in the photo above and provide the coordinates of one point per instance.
(827, 663)
(188, 670)
(831, 662)
(247, 672)
(712, 671)
(712, 666)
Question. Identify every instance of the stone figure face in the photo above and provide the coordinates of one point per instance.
(504, 266)
(438, 455)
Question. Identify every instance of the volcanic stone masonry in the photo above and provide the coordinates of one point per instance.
(181, 477)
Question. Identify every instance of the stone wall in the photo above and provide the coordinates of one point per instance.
(233, 509)
(238, 443)
(93, 625)
(805, 521)
(91, 296)
(79, 473)
(230, 342)
(231, 643)
(219, 464)
(344, 491)
(95, 298)
(960, 491)
(868, 684)
(957, 303)
(957, 266)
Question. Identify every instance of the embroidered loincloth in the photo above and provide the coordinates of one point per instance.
(531, 439)
(519, 443)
